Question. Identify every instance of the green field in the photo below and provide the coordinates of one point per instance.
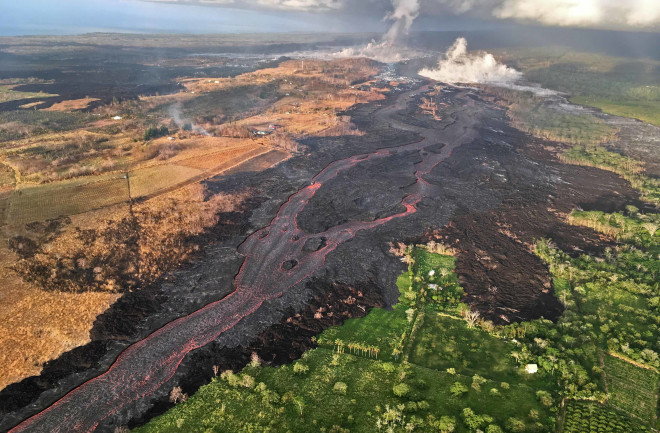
(381, 329)
(8, 94)
(646, 111)
(619, 86)
(445, 342)
(632, 389)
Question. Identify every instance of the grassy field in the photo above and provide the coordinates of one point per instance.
(632, 389)
(8, 94)
(646, 111)
(381, 329)
(619, 86)
(444, 342)
(151, 180)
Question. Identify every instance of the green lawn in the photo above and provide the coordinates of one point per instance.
(380, 328)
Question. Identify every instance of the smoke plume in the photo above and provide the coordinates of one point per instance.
(459, 66)
(176, 113)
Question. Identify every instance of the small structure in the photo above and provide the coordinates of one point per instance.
(531, 368)
(170, 138)
(116, 118)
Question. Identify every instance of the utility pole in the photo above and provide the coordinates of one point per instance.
(130, 199)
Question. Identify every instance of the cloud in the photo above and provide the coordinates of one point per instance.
(459, 66)
(302, 5)
(630, 14)
(578, 13)
(290, 5)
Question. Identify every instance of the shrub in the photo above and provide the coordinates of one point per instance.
(340, 388)
(300, 368)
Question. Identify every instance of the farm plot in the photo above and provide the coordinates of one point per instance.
(632, 389)
(380, 329)
(39, 203)
(585, 417)
(160, 178)
(225, 158)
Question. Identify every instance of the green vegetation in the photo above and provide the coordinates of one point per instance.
(633, 389)
(381, 330)
(431, 365)
(357, 381)
(430, 282)
(155, 132)
(618, 86)
(447, 343)
(642, 230)
(7, 93)
(583, 417)
(646, 111)
(529, 114)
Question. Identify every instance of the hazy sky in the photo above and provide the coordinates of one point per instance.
(19, 17)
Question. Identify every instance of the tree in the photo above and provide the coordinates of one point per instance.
(401, 389)
(471, 318)
(458, 389)
(515, 425)
(545, 398)
(300, 403)
(471, 419)
(177, 395)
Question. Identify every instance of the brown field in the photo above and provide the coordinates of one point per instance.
(31, 104)
(151, 180)
(71, 104)
(37, 326)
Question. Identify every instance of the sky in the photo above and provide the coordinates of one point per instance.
(248, 16)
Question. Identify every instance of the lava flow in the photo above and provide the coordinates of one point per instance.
(275, 261)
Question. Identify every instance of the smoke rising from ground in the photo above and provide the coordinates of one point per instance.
(459, 66)
(176, 113)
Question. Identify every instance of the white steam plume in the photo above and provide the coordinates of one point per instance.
(404, 14)
(463, 67)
